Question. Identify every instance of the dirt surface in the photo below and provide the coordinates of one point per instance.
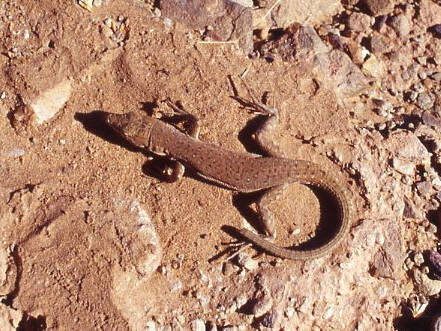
(93, 238)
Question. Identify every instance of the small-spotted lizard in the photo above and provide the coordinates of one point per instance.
(240, 171)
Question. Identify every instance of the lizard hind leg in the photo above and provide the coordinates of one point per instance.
(264, 136)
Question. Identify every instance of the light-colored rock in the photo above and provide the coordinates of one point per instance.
(401, 25)
(245, 3)
(262, 303)
(49, 102)
(429, 12)
(407, 146)
(228, 20)
(245, 261)
(403, 167)
(129, 284)
(379, 7)
(436, 323)
(331, 67)
(175, 285)
(8, 272)
(337, 70)
(150, 326)
(359, 22)
(425, 101)
(418, 259)
(14, 153)
(299, 11)
(389, 259)
(425, 285)
(374, 67)
(9, 318)
(198, 325)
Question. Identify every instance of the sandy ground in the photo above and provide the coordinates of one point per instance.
(81, 209)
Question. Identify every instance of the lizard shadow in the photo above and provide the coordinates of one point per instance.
(95, 123)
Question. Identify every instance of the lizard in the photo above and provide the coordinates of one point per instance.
(239, 171)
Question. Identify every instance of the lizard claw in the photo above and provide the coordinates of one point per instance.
(257, 107)
(240, 245)
(261, 108)
(175, 108)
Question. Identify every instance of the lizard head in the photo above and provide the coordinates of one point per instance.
(132, 126)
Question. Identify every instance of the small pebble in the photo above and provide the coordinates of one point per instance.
(289, 312)
(403, 167)
(418, 259)
(418, 87)
(432, 228)
(176, 285)
(382, 112)
(245, 261)
(417, 305)
(409, 263)
(436, 76)
(424, 188)
(269, 319)
(157, 12)
(168, 23)
(401, 25)
(261, 304)
(108, 22)
(422, 60)
(435, 263)
(436, 182)
(3, 95)
(198, 325)
(425, 101)
(436, 323)
(436, 30)
(150, 326)
(382, 126)
(422, 75)
(412, 95)
(16, 152)
(227, 269)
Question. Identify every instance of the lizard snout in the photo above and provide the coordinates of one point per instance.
(118, 121)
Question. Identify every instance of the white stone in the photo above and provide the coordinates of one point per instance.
(48, 103)
(403, 167)
(198, 325)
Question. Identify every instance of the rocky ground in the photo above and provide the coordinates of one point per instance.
(93, 238)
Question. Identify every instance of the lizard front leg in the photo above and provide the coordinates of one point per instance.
(192, 128)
